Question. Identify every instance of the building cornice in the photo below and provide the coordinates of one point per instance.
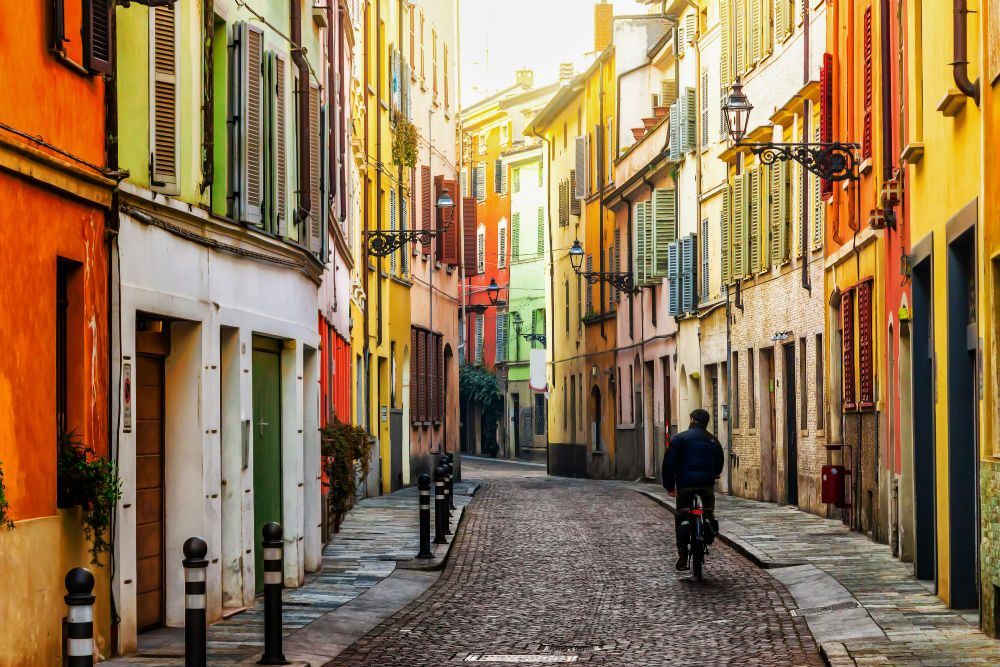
(53, 172)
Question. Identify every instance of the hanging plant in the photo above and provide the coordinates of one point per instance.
(90, 481)
(348, 456)
(5, 521)
(404, 144)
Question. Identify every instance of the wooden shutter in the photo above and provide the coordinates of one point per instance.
(470, 227)
(741, 37)
(727, 240)
(515, 237)
(674, 131)
(392, 226)
(481, 182)
(581, 167)
(780, 18)
(704, 108)
(826, 111)
(774, 211)
(501, 337)
(649, 251)
(755, 220)
(726, 37)
(616, 255)
(673, 279)
(450, 236)
(691, 27)
(479, 338)
(664, 227)
(426, 205)
(564, 191)
(784, 213)
(502, 244)
(687, 268)
(163, 126)
(481, 250)
(438, 378)
(755, 32)
(847, 336)
(97, 47)
(739, 226)
(252, 117)
(866, 370)
(640, 243)
(498, 179)
(281, 147)
(704, 260)
(315, 172)
(590, 288)
(574, 199)
(541, 230)
(414, 375)
(668, 92)
(691, 119)
(819, 209)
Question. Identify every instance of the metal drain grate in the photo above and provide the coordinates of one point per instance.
(520, 658)
(808, 611)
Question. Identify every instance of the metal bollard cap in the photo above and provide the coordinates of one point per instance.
(272, 534)
(439, 473)
(195, 549)
(79, 586)
(424, 482)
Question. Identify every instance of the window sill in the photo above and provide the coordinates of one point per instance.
(598, 452)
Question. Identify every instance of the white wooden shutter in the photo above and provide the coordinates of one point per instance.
(726, 36)
(755, 219)
(281, 147)
(581, 167)
(664, 227)
(688, 278)
(727, 239)
(675, 131)
(704, 108)
(691, 27)
(481, 250)
(501, 336)
(502, 244)
(164, 128)
(704, 260)
(541, 230)
(668, 92)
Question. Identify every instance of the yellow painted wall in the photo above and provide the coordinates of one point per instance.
(943, 182)
(35, 557)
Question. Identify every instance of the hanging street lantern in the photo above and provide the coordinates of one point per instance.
(622, 281)
(384, 242)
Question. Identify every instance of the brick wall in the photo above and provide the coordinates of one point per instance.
(989, 489)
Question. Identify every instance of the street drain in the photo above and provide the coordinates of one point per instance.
(520, 658)
(809, 611)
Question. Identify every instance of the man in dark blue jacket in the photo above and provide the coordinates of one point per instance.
(693, 461)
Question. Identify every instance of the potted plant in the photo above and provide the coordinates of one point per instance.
(92, 482)
(348, 456)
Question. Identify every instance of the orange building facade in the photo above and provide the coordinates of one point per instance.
(54, 368)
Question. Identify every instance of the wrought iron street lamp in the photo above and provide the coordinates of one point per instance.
(531, 337)
(832, 161)
(384, 242)
(621, 280)
(493, 291)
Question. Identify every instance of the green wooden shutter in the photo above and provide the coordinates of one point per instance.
(640, 243)
(726, 37)
(675, 134)
(755, 219)
(392, 226)
(650, 250)
(727, 241)
(740, 226)
(755, 31)
(774, 211)
(819, 207)
(541, 230)
(501, 336)
(784, 217)
(590, 288)
(515, 237)
(664, 227)
(281, 147)
(691, 119)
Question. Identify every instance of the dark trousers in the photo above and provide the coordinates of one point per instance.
(685, 498)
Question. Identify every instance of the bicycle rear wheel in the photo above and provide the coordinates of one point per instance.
(697, 558)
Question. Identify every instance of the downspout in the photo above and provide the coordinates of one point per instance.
(960, 65)
(602, 149)
(378, 170)
(333, 61)
(552, 281)
(804, 181)
(698, 145)
(887, 156)
(299, 58)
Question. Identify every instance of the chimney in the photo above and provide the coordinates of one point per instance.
(526, 78)
(604, 14)
(566, 72)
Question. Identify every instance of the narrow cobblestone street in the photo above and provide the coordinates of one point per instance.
(584, 572)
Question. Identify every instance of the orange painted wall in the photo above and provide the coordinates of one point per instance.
(41, 96)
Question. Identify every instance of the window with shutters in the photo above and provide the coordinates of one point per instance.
(803, 387)
(579, 303)
(675, 131)
(502, 244)
(820, 384)
(404, 223)
(481, 250)
(689, 277)
(826, 110)
(164, 127)
(690, 120)
(752, 388)
(276, 123)
(515, 237)
(480, 182)
(501, 337)
(866, 144)
(541, 230)
(639, 224)
(848, 347)
(97, 46)
(704, 260)
(498, 177)
(563, 203)
(735, 407)
(582, 162)
(479, 338)
(740, 217)
(779, 214)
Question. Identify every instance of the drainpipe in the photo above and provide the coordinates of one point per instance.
(960, 65)
(299, 58)
(806, 131)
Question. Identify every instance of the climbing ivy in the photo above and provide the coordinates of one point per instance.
(477, 384)
(404, 144)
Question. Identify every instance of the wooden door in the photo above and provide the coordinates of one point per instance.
(149, 460)
(266, 448)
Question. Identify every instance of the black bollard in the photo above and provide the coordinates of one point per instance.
(195, 633)
(451, 481)
(424, 486)
(440, 511)
(273, 551)
(79, 618)
(447, 498)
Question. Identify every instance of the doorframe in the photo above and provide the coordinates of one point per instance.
(791, 424)
(923, 394)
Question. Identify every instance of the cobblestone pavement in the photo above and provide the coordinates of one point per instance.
(374, 536)
(916, 627)
(584, 571)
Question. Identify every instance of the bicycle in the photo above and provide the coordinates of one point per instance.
(696, 535)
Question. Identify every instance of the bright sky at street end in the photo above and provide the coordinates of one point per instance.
(499, 38)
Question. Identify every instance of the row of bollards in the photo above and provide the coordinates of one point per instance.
(80, 605)
(444, 503)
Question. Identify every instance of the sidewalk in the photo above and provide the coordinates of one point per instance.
(862, 605)
(365, 578)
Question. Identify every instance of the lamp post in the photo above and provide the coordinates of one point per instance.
(532, 337)
(623, 281)
(830, 160)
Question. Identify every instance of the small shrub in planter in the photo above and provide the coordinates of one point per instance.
(92, 482)
(347, 454)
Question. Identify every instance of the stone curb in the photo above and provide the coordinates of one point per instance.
(441, 551)
(835, 654)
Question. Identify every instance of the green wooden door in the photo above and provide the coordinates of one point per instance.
(266, 449)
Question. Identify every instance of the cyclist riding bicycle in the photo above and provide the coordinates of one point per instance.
(693, 461)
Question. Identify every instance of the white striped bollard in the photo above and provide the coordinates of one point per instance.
(79, 618)
(440, 511)
(195, 632)
(273, 583)
(451, 480)
(424, 487)
(447, 498)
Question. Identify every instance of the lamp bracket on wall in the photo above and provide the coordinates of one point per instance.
(830, 161)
